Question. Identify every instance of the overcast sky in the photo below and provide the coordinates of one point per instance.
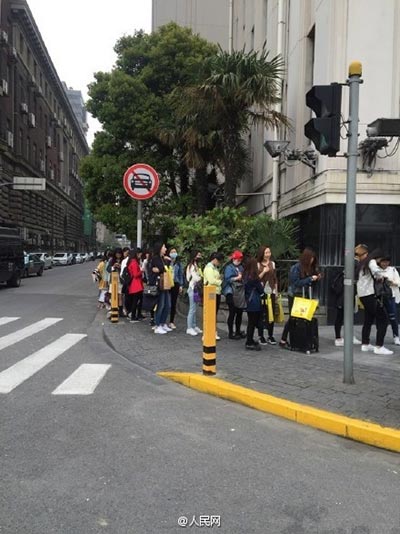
(80, 35)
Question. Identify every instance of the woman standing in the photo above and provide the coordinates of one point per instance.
(254, 292)
(135, 288)
(114, 265)
(393, 277)
(193, 277)
(367, 270)
(302, 275)
(231, 283)
(267, 274)
(157, 271)
(176, 289)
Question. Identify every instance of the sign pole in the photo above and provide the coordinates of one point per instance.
(354, 81)
(139, 224)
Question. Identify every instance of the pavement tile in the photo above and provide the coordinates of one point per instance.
(316, 380)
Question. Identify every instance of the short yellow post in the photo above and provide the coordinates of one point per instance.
(209, 331)
(114, 297)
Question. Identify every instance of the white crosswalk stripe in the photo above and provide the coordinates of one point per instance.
(23, 333)
(6, 320)
(24, 369)
(83, 381)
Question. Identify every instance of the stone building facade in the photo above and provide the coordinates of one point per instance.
(39, 136)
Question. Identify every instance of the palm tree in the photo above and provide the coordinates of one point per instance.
(241, 89)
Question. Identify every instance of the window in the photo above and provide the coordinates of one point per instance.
(34, 153)
(21, 142)
(28, 149)
(21, 44)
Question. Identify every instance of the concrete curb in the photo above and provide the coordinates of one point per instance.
(347, 427)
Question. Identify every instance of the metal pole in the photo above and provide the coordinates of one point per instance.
(230, 39)
(355, 71)
(139, 224)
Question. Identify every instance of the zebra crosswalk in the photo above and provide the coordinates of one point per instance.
(83, 381)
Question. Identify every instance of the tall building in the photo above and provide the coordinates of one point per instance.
(208, 18)
(318, 40)
(78, 106)
(40, 136)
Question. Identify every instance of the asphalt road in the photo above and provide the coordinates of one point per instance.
(136, 453)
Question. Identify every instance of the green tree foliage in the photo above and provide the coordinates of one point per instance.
(226, 229)
(133, 104)
(241, 89)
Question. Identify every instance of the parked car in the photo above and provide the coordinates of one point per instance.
(80, 258)
(35, 265)
(46, 258)
(62, 258)
(11, 256)
(86, 256)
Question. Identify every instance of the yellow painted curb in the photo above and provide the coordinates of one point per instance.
(356, 429)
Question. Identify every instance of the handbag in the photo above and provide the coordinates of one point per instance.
(239, 297)
(279, 316)
(165, 281)
(151, 290)
(304, 308)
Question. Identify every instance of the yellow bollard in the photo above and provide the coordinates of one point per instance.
(209, 331)
(114, 297)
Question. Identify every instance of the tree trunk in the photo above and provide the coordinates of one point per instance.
(231, 178)
(201, 190)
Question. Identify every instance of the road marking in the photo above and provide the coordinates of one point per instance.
(83, 381)
(28, 331)
(6, 320)
(24, 369)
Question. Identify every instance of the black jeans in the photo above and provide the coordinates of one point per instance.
(373, 311)
(174, 299)
(235, 315)
(286, 327)
(253, 318)
(339, 321)
(136, 298)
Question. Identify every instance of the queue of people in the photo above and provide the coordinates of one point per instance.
(154, 280)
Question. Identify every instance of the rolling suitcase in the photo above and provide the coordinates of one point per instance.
(303, 334)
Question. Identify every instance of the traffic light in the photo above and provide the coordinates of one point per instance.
(324, 130)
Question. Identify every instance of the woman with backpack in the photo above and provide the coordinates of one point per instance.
(176, 289)
(267, 274)
(194, 279)
(135, 285)
(374, 311)
(233, 290)
(254, 292)
(302, 275)
(156, 276)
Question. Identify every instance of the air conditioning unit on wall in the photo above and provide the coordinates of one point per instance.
(32, 120)
(10, 139)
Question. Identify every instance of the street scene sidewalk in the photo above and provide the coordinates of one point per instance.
(315, 380)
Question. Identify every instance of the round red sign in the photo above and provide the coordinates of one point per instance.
(141, 181)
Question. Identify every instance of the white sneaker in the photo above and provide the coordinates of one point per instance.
(198, 330)
(367, 348)
(191, 332)
(166, 328)
(382, 350)
(217, 336)
(356, 341)
(339, 342)
(396, 340)
(172, 326)
(159, 330)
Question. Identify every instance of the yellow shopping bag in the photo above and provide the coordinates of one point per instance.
(270, 311)
(279, 316)
(304, 308)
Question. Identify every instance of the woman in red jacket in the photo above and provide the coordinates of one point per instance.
(135, 288)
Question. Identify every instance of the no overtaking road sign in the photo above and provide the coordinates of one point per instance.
(141, 181)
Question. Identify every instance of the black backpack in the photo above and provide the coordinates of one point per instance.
(126, 277)
(337, 285)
